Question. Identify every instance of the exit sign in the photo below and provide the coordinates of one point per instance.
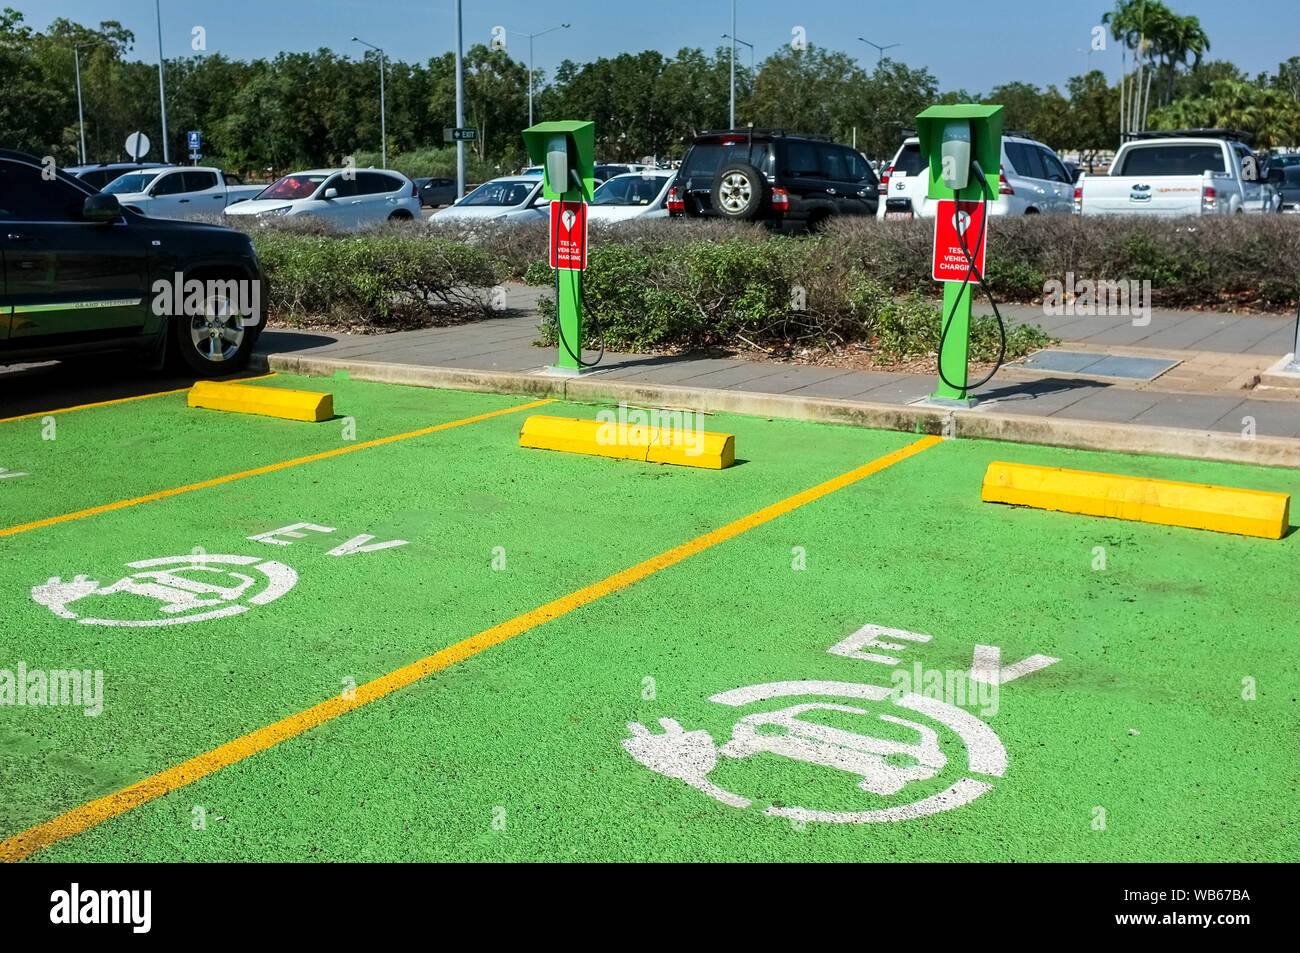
(461, 134)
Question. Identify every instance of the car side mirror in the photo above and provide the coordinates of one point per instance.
(101, 207)
(330, 194)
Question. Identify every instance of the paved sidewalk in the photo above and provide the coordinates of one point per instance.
(505, 344)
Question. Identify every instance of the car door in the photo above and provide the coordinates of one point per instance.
(862, 193)
(167, 196)
(344, 209)
(1058, 182)
(379, 194)
(811, 193)
(204, 194)
(1252, 188)
(64, 276)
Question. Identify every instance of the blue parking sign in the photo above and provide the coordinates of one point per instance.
(195, 140)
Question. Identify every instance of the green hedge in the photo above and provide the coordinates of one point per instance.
(381, 282)
(780, 294)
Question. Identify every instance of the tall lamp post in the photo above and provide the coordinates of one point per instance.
(81, 115)
(880, 48)
(383, 108)
(732, 123)
(460, 106)
(162, 93)
(531, 37)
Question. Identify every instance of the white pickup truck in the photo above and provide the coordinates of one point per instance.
(1183, 175)
(187, 192)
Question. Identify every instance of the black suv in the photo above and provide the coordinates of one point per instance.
(786, 181)
(80, 273)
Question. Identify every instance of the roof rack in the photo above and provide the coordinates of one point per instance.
(768, 132)
(1019, 134)
(1240, 135)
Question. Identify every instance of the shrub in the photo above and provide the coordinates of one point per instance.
(384, 281)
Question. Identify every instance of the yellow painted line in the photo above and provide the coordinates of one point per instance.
(258, 471)
(102, 809)
(1223, 509)
(676, 445)
(308, 405)
(118, 400)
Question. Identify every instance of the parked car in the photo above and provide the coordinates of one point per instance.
(785, 181)
(638, 195)
(98, 176)
(191, 192)
(81, 275)
(1032, 180)
(1287, 182)
(435, 193)
(1188, 172)
(346, 198)
(511, 199)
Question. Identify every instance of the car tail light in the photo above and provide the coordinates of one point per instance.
(1078, 200)
(884, 179)
(675, 201)
(1004, 187)
(1208, 198)
(780, 200)
(415, 191)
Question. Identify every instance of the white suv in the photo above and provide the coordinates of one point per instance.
(1032, 180)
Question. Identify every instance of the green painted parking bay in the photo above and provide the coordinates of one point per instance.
(763, 692)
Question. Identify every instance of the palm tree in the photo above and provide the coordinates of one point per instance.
(1179, 39)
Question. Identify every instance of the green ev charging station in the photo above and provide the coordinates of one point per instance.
(565, 149)
(953, 138)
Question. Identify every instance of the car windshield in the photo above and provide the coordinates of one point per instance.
(629, 190)
(1285, 161)
(909, 161)
(499, 193)
(1292, 180)
(297, 186)
(131, 182)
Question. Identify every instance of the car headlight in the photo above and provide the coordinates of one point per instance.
(283, 210)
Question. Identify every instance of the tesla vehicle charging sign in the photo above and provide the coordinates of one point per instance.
(953, 222)
(569, 235)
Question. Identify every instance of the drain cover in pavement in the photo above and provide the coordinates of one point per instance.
(1090, 364)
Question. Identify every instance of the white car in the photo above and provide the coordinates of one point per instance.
(1032, 180)
(1165, 174)
(511, 199)
(181, 193)
(632, 195)
(346, 198)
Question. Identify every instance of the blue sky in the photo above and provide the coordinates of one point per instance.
(1039, 42)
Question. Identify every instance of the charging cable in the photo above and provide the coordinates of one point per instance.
(972, 270)
(559, 326)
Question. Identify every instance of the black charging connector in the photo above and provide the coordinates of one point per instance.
(973, 271)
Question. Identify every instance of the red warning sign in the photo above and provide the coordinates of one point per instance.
(569, 235)
(953, 222)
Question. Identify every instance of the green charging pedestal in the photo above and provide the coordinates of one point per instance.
(985, 130)
(565, 149)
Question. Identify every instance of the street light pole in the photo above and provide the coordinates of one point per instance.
(460, 106)
(732, 124)
(81, 116)
(162, 93)
(383, 108)
(879, 47)
(531, 37)
(727, 36)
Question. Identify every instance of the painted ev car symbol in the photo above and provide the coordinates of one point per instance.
(883, 766)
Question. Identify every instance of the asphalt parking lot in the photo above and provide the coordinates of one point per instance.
(398, 635)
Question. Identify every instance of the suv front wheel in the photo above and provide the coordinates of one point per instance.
(739, 191)
(217, 341)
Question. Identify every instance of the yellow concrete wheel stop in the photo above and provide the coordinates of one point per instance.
(1195, 505)
(265, 401)
(652, 444)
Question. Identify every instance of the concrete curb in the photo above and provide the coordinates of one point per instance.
(981, 424)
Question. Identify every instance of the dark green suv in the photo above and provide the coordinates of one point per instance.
(79, 273)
